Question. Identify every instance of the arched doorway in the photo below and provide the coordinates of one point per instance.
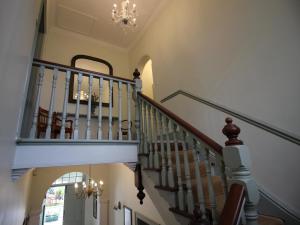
(145, 66)
(62, 206)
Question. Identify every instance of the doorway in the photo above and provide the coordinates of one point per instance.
(147, 79)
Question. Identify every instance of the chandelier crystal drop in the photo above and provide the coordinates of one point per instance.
(125, 16)
(85, 190)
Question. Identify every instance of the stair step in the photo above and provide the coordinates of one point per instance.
(182, 213)
(170, 189)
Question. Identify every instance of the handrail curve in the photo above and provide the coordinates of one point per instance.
(260, 124)
(64, 68)
(233, 205)
(211, 143)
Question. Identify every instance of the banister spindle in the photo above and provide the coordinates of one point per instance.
(162, 152)
(99, 133)
(156, 155)
(76, 125)
(137, 89)
(187, 173)
(151, 155)
(88, 121)
(37, 103)
(171, 182)
(129, 111)
(211, 191)
(110, 110)
(120, 110)
(200, 193)
(221, 165)
(178, 169)
(146, 136)
(142, 127)
(52, 101)
(65, 105)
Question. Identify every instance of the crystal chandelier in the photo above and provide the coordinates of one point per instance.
(85, 190)
(125, 16)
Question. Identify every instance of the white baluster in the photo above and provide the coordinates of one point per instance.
(156, 154)
(137, 89)
(52, 101)
(150, 137)
(129, 111)
(189, 195)
(178, 169)
(120, 109)
(221, 165)
(141, 125)
(162, 152)
(211, 192)
(99, 133)
(64, 114)
(146, 150)
(110, 110)
(88, 121)
(200, 193)
(76, 126)
(37, 103)
(171, 182)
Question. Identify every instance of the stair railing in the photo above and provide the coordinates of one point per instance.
(105, 125)
(192, 164)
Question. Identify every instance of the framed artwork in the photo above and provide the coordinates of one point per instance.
(142, 220)
(95, 205)
(93, 64)
(127, 215)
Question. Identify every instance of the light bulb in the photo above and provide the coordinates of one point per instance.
(101, 182)
(76, 185)
(115, 5)
(134, 5)
(95, 184)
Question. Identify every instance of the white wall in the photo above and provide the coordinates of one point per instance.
(17, 26)
(147, 79)
(122, 188)
(241, 54)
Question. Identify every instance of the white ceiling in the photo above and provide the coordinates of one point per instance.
(92, 18)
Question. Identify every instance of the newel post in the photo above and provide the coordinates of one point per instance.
(137, 89)
(237, 162)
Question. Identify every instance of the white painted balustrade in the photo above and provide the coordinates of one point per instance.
(103, 108)
(192, 164)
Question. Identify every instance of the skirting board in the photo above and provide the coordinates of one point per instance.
(268, 205)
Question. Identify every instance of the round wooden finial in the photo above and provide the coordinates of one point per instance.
(231, 131)
(136, 74)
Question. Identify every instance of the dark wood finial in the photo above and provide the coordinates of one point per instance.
(139, 182)
(136, 74)
(231, 131)
(197, 217)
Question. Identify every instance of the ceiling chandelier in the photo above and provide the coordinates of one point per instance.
(85, 190)
(125, 16)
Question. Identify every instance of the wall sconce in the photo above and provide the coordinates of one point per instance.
(119, 206)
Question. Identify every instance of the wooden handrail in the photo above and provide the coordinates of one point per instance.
(211, 143)
(64, 68)
(233, 205)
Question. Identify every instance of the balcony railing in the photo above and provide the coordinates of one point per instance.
(108, 115)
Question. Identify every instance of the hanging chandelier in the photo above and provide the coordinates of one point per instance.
(126, 17)
(86, 189)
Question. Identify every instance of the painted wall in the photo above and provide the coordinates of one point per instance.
(122, 188)
(17, 25)
(147, 79)
(241, 54)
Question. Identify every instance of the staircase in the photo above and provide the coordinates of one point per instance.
(185, 172)
(185, 169)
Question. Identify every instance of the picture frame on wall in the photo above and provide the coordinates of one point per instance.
(127, 215)
(140, 219)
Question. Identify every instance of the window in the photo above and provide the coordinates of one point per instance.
(69, 178)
